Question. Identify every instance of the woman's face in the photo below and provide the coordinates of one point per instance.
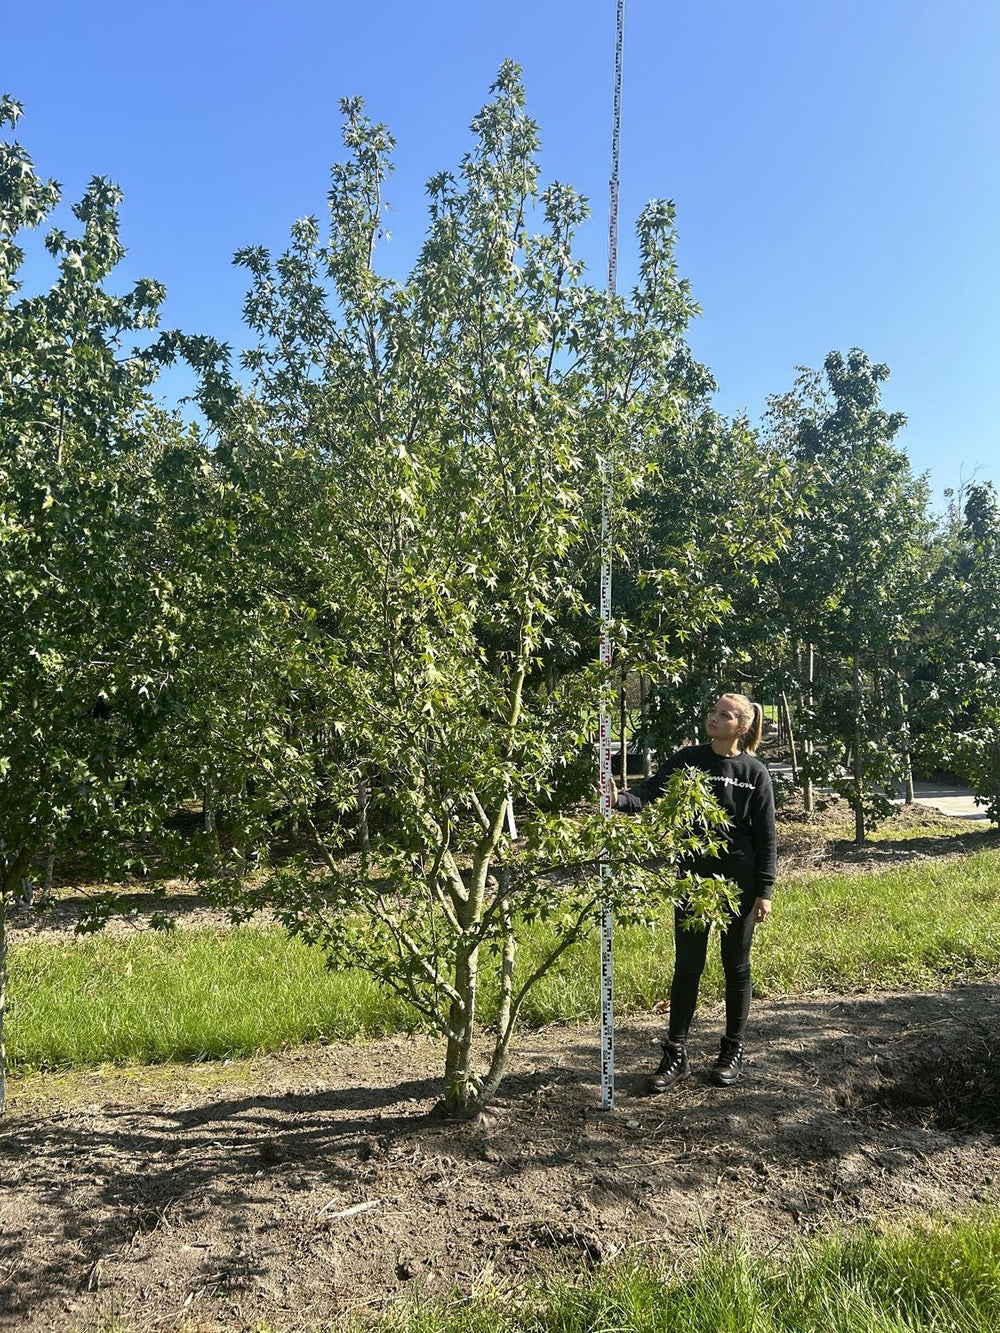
(724, 723)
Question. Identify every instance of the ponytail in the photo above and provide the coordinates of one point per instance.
(753, 715)
(752, 739)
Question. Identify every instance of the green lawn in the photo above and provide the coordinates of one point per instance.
(214, 993)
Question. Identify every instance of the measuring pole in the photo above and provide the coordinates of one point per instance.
(607, 971)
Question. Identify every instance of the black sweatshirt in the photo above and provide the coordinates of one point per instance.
(742, 786)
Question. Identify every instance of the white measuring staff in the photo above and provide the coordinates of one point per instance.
(607, 956)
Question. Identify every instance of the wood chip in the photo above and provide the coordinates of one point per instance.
(348, 1212)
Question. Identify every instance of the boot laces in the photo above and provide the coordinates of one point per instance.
(730, 1055)
(673, 1058)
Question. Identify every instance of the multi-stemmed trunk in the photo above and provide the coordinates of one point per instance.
(462, 1091)
(487, 899)
(469, 906)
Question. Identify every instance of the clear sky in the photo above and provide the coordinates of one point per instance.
(834, 162)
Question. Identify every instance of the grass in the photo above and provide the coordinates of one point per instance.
(926, 1280)
(915, 926)
(214, 993)
(942, 1277)
(189, 995)
(933, 826)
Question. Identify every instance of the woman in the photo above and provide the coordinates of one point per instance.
(742, 786)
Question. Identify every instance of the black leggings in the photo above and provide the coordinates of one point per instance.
(691, 947)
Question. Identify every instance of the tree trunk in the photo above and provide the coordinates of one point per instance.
(857, 757)
(208, 806)
(364, 835)
(498, 1063)
(623, 724)
(808, 801)
(906, 757)
(459, 1091)
(647, 754)
(790, 734)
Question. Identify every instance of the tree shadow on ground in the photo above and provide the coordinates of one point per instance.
(877, 854)
(133, 909)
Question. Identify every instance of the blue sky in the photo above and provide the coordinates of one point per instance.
(833, 162)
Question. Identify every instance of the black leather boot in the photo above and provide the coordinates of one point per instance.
(672, 1068)
(729, 1066)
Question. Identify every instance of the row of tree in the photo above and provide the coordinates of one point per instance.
(870, 623)
(352, 612)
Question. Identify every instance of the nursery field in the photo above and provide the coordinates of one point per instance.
(314, 1183)
(301, 680)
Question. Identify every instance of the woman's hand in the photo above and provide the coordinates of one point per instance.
(762, 909)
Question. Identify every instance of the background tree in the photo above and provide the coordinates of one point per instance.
(92, 624)
(957, 683)
(713, 511)
(852, 577)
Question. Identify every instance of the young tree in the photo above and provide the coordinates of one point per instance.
(445, 438)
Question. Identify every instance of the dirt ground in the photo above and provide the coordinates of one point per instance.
(303, 1186)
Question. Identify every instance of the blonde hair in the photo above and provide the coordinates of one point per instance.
(753, 715)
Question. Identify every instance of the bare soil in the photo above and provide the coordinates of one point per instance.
(819, 843)
(303, 1186)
